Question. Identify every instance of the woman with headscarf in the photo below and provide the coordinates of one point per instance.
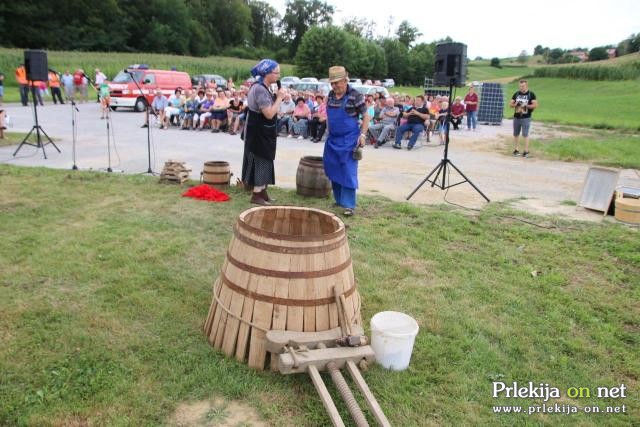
(260, 131)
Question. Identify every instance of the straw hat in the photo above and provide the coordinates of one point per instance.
(337, 73)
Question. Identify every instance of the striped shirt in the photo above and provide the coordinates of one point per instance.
(355, 102)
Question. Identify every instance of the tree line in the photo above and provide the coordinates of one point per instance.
(304, 33)
(598, 53)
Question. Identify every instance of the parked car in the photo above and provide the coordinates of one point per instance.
(288, 81)
(355, 81)
(388, 83)
(125, 93)
(377, 83)
(309, 79)
(370, 90)
(323, 88)
(205, 80)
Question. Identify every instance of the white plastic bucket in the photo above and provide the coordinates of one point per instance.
(392, 338)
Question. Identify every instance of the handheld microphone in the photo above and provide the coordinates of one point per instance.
(279, 84)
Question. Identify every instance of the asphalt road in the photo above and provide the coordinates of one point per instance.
(545, 186)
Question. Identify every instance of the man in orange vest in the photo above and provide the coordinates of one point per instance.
(54, 85)
(21, 78)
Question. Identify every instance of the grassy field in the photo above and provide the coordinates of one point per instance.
(597, 147)
(105, 282)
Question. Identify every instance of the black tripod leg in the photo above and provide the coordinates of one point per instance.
(24, 141)
(469, 181)
(437, 168)
(50, 140)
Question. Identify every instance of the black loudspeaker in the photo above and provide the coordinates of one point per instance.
(35, 63)
(451, 64)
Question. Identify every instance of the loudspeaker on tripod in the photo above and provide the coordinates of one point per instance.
(36, 66)
(450, 64)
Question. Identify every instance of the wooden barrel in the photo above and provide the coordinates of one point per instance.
(311, 179)
(279, 273)
(628, 210)
(216, 173)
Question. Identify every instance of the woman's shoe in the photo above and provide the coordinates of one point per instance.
(257, 199)
(348, 212)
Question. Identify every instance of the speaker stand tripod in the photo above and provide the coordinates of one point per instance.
(37, 128)
(441, 168)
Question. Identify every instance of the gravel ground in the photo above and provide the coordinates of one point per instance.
(535, 185)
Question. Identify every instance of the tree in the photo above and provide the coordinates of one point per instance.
(629, 45)
(302, 15)
(421, 59)
(522, 58)
(598, 54)
(407, 33)
(495, 62)
(538, 50)
(554, 56)
(360, 27)
(264, 21)
(397, 56)
(322, 47)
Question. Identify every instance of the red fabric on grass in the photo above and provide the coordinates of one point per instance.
(206, 192)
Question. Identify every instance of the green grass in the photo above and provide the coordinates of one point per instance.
(105, 282)
(606, 149)
(487, 73)
(12, 138)
(606, 105)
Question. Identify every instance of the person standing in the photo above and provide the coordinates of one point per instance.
(21, 78)
(260, 135)
(54, 84)
(345, 137)
(471, 106)
(67, 83)
(524, 102)
(99, 78)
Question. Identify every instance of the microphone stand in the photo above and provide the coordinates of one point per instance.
(148, 113)
(74, 130)
(109, 169)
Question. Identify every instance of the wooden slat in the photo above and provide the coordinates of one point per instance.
(225, 299)
(372, 403)
(325, 397)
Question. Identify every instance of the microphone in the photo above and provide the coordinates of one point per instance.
(279, 84)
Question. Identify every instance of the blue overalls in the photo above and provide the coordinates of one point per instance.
(339, 165)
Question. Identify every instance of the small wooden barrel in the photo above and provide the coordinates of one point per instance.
(216, 173)
(628, 210)
(311, 179)
(280, 272)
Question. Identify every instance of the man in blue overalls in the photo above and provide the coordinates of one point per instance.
(344, 106)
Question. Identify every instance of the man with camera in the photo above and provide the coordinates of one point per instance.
(524, 102)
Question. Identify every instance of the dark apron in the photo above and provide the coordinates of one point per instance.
(260, 134)
(339, 164)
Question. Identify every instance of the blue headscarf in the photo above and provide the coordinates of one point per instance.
(263, 68)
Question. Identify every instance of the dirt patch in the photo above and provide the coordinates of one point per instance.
(215, 412)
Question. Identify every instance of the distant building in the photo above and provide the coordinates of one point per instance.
(612, 52)
(581, 55)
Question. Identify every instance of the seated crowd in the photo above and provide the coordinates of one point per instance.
(303, 115)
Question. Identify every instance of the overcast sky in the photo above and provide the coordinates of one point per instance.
(500, 28)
